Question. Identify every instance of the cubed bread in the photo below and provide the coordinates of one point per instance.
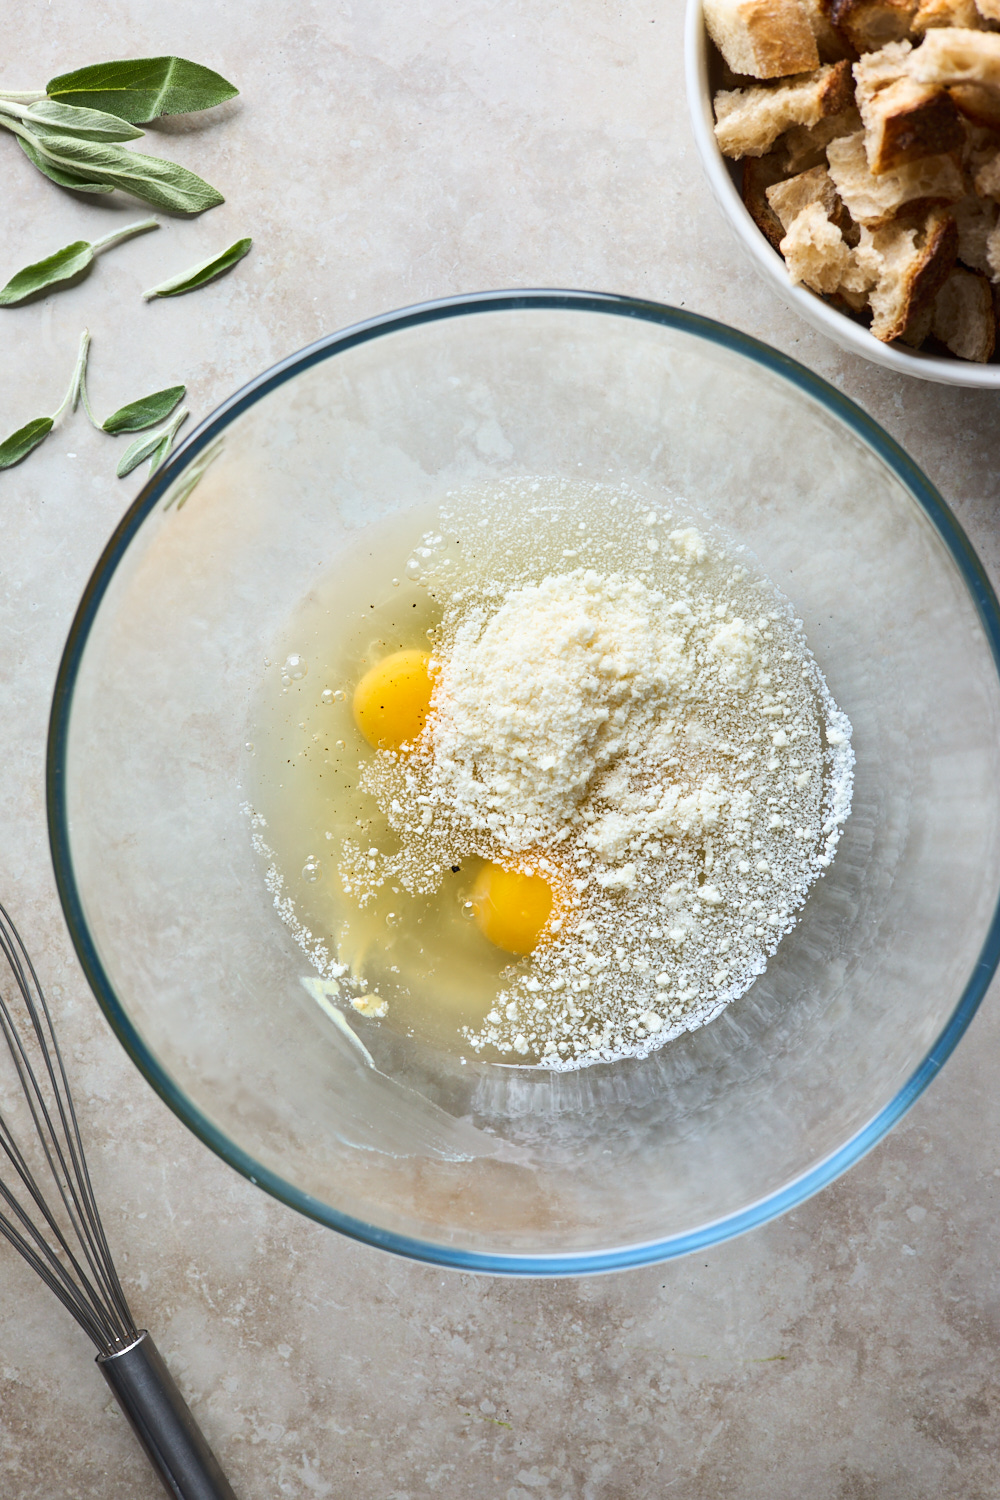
(879, 184)
(760, 173)
(978, 102)
(975, 220)
(818, 256)
(967, 63)
(963, 317)
(876, 70)
(957, 55)
(749, 121)
(931, 13)
(919, 327)
(872, 200)
(804, 146)
(790, 197)
(981, 145)
(904, 120)
(987, 179)
(993, 254)
(910, 263)
(762, 38)
(869, 24)
(832, 46)
(815, 251)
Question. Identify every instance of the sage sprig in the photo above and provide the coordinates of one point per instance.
(27, 438)
(66, 264)
(134, 417)
(144, 412)
(203, 272)
(131, 418)
(152, 445)
(81, 148)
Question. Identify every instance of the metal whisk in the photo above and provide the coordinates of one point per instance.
(61, 1236)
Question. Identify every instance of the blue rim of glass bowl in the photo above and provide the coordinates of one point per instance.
(568, 1264)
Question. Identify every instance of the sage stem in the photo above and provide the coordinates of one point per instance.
(23, 96)
(72, 396)
(86, 401)
(117, 235)
(11, 124)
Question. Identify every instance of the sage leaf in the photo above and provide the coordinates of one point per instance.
(142, 88)
(151, 445)
(160, 452)
(144, 412)
(23, 441)
(199, 275)
(63, 176)
(64, 265)
(193, 477)
(136, 452)
(88, 124)
(163, 183)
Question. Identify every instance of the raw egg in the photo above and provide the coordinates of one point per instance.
(511, 908)
(392, 699)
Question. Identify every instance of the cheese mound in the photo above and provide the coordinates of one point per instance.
(534, 703)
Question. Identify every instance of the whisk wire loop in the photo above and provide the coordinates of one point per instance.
(71, 1256)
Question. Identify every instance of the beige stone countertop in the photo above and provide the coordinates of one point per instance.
(382, 152)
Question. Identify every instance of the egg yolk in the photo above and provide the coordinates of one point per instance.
(511, 908)
(392, 699)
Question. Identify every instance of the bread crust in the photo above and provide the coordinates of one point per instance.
(762, 38)
(760, 173)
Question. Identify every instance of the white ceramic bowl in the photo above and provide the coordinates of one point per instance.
(722, 179)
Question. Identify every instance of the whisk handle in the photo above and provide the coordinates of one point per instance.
(175, 1445)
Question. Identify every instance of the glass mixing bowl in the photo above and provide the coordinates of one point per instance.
(510, 1168)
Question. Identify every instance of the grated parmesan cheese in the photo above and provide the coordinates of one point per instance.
(662, 749)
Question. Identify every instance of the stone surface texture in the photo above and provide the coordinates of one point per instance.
(381, 153)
